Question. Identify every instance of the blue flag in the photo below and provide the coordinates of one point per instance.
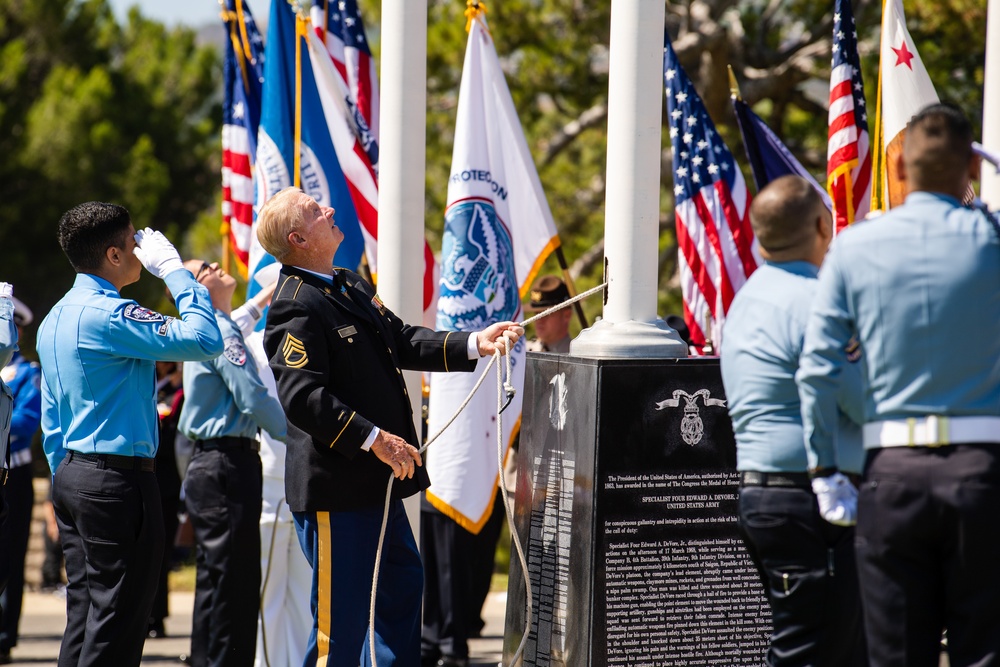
(769, 157)
(321, 176)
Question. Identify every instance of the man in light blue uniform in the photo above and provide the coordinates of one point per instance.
(920, 288)
(225, 403)
(806, 564)
(24, 379)
(99, 423)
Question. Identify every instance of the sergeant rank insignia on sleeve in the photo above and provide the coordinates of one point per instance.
(294, 352)
(234, 351)
(137, 313)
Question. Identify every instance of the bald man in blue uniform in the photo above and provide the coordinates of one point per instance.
(99, 422)
(806, 564)
(920, 289)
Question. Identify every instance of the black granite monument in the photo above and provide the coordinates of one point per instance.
(626, 507)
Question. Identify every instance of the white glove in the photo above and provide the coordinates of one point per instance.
(837, 498)
(156, 253)
(6, 290)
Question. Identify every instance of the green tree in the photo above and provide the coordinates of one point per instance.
(94, 110)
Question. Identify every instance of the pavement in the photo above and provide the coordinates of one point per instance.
(44, 618)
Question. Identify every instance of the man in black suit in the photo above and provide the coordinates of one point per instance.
(337, 354)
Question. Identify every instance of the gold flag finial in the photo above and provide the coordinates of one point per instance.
(473, 9)
(734, 87)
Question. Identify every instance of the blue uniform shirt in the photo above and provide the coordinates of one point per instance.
(225, 396)
(98, 372)
(24, 379)
(760, 352)
(920, 288)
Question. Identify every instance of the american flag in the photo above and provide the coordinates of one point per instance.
(243, 77)
(345, 43)
(717, 251)
(849, 163)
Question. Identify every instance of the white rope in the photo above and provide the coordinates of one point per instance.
(510, 389)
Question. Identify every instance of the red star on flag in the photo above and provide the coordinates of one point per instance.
(903, 55)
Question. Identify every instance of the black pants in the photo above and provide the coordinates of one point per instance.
(223, 498)
(170, 490)
(52, 562)
(112, 536)
(808, 570)
(20, 498)
(928, 546)
(455, 581)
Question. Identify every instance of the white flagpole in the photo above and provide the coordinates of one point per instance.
(630, 326)
(402, 150)
(990, 181)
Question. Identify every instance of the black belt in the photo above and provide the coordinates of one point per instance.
(139, 463)
(795, 480)
(229, 443)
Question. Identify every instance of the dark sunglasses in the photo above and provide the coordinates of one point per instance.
(205, 266)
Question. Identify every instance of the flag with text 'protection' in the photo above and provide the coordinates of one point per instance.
(243, 76)
(904, 88)
(716, 248)
(498, 231)
(848, 156)
(348, 89)
(769, 157)
(320, 174)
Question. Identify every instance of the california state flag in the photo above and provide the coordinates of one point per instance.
(904, 88)
(498, 231)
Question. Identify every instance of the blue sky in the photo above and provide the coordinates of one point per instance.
(190, 12)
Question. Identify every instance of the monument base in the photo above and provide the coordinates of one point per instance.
(626, 507)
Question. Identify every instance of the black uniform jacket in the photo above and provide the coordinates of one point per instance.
(336, 353)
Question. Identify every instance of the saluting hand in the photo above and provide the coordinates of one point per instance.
(156, 253)
(400, 455)
(488, 339)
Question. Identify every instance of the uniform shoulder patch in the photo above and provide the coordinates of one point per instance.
(234, 351)
(137, 313)
(294, 352)
(165, 327)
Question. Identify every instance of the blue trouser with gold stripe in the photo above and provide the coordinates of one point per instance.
(340, 547)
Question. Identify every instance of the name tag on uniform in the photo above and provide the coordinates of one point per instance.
(347, 331)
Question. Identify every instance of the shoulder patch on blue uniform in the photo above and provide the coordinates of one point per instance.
(137, 313)
(165, 326)
(234, 351)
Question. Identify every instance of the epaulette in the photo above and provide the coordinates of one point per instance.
(297, 285)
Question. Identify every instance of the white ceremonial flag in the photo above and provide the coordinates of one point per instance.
(498, 231)
(904, 88)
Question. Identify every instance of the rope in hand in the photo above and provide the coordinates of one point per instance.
(503, 389)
